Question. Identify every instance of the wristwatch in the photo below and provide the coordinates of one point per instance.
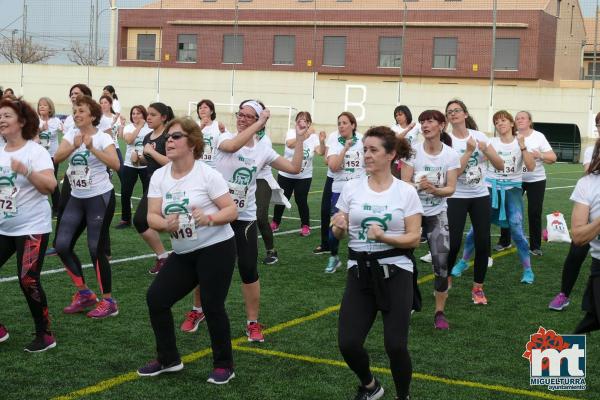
(210, 221)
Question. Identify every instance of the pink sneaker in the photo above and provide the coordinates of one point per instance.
(254, 332)
(80, 302)
(3, 333)
(192, 320)
(274, 226)
(158, 265)
(105, 308)
(440, 321)
(305, 230)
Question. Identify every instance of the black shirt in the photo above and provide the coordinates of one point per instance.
(159, 144)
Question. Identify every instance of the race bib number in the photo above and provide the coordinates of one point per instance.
(238, 193)
(45, 139)
(473, 175)
(79, 177)
(114, 131)
(187, 228)
(207, 155)
(8, 200)
(510, 164)
(351, 161)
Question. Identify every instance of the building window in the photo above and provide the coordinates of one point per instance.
(444, 52)
(233, 49)
(593, 69)
(284, 49)
(334, 51)
(390, 51)
(186, 48)
(507, 54)
(146, 47)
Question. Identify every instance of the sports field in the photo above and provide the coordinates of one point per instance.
(478, 358)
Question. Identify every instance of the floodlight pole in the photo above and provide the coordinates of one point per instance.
(491, 105)
(402, 53)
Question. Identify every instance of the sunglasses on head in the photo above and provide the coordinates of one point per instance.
(175, 135)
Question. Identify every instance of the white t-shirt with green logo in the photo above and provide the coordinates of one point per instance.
(23, 209)
(308, 147)
(471, 183)
(511, 154)
(49, 137)
(354, 161)
(587, 192)
(386, 209)
(210, 135)
(86, 173)
(137, 145)
(240, 170)
(199, 188)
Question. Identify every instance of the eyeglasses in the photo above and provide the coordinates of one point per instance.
(245, 116)
(175, 135)
(453, 111)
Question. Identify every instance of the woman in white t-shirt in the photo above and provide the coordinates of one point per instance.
(345, 159)
(534, 182)
(211, 129)
(49, 128)
(111, 123)
(299, 184)
(26, 179)
(109, 90)
(405, 127)
(382, 217)
(239, 158)
(92, 205)
(471, 195)
(433, 169)
(133, 134)
(585, 228)
(191, 201)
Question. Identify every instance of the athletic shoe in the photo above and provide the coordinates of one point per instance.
(192, 320)
(558, 303)
(500, 247)
(440, 321)
(490, 262)
(51, 251)
(271, 257)
(221, 376)
(80, 302)
(105, 308)
(333, 264)
(3, 333)
(320, 250)
(42, 342)
(123, 225)
(305, 230)
(423, 239)
(369, 394)
(536, 252)
(160, 262)
(274, 226)
(154, 368)
(478, 296)
(459, 268)
(254, 332)
(426, 258)
(528, 276)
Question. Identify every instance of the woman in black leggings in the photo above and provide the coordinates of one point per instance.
(91, 205)
(26, 179)
(382, 217)
(191, 201)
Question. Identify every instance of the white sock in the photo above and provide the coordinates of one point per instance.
(199, 309)
(163, 255)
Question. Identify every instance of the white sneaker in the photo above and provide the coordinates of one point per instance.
(490, 262)
(426, 258)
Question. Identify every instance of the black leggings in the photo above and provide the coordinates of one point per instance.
(211, 268)
(129, 177)
(535, 204)
(65, 195)
(300, 189)
(140, 218)
(55, 196)
(326, 212)
(95, 214)
(572, 266)
(591, 301)
(357, 314)
(246, 243)
(263, 200)
(30, 251)
(478, 209)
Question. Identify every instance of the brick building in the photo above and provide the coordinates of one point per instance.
(539, 40)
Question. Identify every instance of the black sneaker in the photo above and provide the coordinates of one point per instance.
(221, 376)
(271, 257)
(42, 342)
(154, 368)
(320, 249)
(370, 394)
(123, 225)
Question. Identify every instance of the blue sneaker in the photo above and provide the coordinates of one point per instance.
(51, 251)
(221, 376)
(459, 268)
(333, 264)
(528, 276)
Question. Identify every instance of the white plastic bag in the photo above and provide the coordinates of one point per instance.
(557, 229)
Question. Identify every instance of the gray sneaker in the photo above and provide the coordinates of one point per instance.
(271, 257)
(536, 252)
(500, 247)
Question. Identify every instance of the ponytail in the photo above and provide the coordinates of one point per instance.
(446, 139)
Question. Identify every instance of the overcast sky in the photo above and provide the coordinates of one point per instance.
(69, 20)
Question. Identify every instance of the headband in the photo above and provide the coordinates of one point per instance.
(254, 105)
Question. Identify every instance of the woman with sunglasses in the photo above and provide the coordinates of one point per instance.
(534, 183)
(91, 205)
(471, 195)
(239, 157)
(50, 125)
(26, 179)
(191, 201)
(153, 157)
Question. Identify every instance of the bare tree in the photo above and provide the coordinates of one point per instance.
(82, 55)
(24, 50)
